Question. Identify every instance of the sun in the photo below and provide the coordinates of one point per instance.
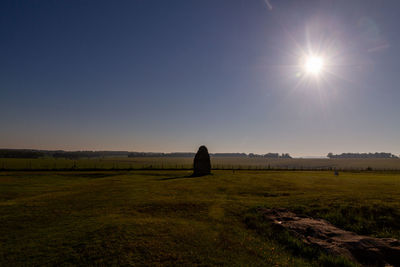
(314, 65)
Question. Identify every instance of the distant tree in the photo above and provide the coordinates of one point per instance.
(271, 155)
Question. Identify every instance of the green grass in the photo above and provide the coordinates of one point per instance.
(162, 218)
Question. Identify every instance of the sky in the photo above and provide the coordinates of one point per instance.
(164, 76)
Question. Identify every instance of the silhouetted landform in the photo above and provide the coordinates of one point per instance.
(201, 162)
(365, 250)
(376, 155)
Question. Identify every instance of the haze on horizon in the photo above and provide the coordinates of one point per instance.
(169, 76)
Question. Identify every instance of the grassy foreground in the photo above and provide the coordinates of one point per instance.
(162, 218)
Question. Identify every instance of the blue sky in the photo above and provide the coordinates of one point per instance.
(172, 75)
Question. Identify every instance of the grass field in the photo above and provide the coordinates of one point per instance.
(162, 218)
(187, 163)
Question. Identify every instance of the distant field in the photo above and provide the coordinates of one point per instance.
(186, 163)
(162, 218)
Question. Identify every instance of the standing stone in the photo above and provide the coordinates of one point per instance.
(201, 163)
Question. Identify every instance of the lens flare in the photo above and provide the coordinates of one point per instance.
(314, 65)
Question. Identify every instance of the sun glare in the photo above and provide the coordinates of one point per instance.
(314, 65)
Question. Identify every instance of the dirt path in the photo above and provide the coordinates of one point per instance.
(362, 249)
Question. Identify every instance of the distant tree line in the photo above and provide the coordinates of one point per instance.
(380, 155)
(215, 155)
(271, 156)
(88, 154)
(31, 153)
(229, 155)
(157, 155)
(21, 153)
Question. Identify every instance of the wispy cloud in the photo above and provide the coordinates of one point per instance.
(268, 3)
(378, 48)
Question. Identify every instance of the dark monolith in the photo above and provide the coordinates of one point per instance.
(201, 163)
